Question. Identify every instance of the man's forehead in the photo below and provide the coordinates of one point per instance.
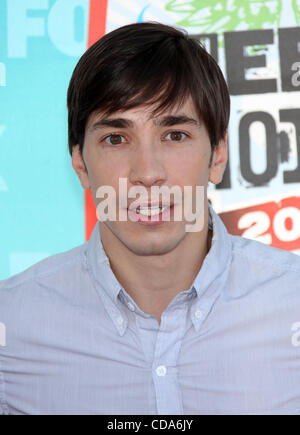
(146, 112)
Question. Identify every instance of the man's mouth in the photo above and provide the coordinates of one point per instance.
(147, 213)
(151, 211)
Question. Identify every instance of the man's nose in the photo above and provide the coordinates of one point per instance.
(147, 166)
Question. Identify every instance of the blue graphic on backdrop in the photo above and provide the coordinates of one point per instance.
(42, 210)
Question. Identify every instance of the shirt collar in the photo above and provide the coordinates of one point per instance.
(214, 272)
(106, 283)
(208, 283)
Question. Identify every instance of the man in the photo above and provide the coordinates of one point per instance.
(150, 316)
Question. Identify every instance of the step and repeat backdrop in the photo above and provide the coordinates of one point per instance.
(43, 209)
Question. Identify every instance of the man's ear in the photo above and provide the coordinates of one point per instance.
(219, 161)
(79, 167)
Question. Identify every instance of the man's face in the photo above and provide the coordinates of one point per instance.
(147, 151)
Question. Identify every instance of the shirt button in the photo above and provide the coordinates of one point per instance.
(161, 370)
(120, 320)
(198, 314)
(130, 306)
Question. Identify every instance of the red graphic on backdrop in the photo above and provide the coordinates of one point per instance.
(97, 20)
(97, 28)
(274, 223)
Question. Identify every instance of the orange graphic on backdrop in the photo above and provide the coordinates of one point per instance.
(97, 28)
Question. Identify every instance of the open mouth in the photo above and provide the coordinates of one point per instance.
(151, 215)
(151, 211)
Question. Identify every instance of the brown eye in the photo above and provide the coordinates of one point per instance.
(176, 136)
(114, 139)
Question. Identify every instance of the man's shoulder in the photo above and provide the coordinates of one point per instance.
(264, 271)
(258, 254)
(53, 265)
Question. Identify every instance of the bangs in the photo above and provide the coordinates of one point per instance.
(155, 76)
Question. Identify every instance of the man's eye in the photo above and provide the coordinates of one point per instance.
(114, 139)
(176, 136)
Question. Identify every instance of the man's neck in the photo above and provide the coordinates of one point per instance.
(153, 281)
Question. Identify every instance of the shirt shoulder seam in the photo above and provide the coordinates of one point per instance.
(44, 274)
(265, 260)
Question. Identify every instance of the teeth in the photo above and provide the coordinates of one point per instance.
(150, 211)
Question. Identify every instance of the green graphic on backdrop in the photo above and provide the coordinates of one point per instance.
(296, 9)
(228, 15)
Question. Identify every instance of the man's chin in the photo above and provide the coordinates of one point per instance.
(145, 243)
(149, 251)
(153, 247)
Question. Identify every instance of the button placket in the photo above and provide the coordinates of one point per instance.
(165, 371)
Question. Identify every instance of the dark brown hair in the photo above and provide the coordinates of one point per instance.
(147, 63)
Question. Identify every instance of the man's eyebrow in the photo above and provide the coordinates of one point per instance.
(166, 121)
(112, 122)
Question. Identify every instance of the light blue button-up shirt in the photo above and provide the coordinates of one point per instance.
(72, 341)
